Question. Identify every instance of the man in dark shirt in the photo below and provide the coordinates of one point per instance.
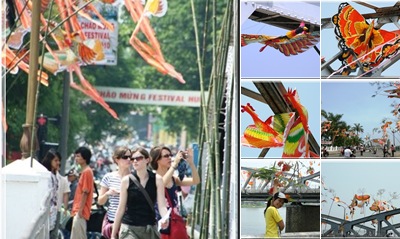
(73, 177)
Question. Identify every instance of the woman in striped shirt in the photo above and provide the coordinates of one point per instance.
(110, 187)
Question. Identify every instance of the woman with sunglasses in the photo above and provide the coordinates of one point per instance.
(135, 218)
(111, 185)
(162, 162)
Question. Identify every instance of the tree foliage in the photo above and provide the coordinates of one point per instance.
(91, 122)
(339, 130)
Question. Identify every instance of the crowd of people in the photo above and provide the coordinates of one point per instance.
(141, 193)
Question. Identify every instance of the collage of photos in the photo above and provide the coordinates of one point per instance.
(320, 119)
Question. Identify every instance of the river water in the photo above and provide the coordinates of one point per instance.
(252, 221)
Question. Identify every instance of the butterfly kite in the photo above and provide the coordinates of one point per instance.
(280, 130)
(292, 43)
(360, 41)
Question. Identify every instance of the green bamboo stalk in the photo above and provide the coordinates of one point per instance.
(206, 211)
(204, 121)
(211, 225)
(222, 50)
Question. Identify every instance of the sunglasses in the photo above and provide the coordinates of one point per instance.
(125, 157)
(167, 155)
(138, 158)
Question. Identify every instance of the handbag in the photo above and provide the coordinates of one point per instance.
(177, 226)
(106, 228)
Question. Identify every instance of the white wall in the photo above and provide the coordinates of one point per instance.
(26, 200)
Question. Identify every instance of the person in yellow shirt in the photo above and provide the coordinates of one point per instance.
(273, 220)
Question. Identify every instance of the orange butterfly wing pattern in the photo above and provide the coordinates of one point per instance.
(358, 39)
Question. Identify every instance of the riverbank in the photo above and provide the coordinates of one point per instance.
(251, 204)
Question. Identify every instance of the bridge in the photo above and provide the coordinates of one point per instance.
(299, 193)
(358, 228)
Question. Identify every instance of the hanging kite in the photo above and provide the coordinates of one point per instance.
(73, 49)
(360, 41)
(281, 130)
(296, 144)
(292, 43)
(266, 134)
(326, 126)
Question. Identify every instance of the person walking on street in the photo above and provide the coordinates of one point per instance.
(135, 218)
(111, 187)
(83, 196)
(161, 161)
(347, 152)
(384, 150)
(63, 196)
(51, 162)
(73, 177)
(392, 149)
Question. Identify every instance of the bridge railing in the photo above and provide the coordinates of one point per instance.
(340, 227)
(263, 186)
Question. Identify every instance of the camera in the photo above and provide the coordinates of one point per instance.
(184, 155)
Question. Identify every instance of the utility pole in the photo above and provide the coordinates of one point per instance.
(28, 143)
(344, 211)
(65, 122)
(394, 141)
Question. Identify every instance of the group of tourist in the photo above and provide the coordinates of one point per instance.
(142, 192)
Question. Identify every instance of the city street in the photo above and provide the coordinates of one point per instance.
(366, 154)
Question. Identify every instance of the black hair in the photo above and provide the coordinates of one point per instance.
(155, 155)
(268, 204)
(85, 153)
(48, 158)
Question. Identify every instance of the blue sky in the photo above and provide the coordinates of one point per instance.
(271, 62)
(354, 100)
(309, 93)
(329, 43)
(356, 177)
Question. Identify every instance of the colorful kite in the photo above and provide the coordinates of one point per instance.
(268, 134)
(280, 130)
(296, 144)
(360, 41)
(294, 42)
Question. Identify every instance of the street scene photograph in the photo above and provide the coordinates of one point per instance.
(117, 119)
(360, 119)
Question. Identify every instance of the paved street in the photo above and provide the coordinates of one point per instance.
(366, 154)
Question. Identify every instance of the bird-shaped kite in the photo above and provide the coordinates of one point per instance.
(360, 41)
(296, 144)
(292, 43)
(266, 134)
